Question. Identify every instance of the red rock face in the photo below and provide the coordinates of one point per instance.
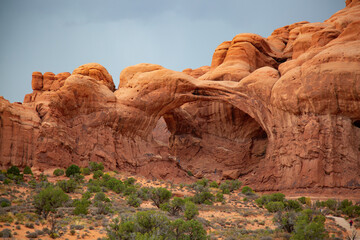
(279, 113)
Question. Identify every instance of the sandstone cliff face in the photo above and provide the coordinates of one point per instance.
(281, 112)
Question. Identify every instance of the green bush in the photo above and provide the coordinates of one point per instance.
(87, 195)
(5, 202)
(81, 206)
(190, 173)
(224, 187)
(219, 197)
(160, 196)
(203, 197)
(85, 171)
(293, 205)
(129, 190)
(302, 200)
(214, 184)
(133, 201)
(102, 203)
(93, 186)
(98, 174)
(275, 206)
(174, 207)
(152, 225)
(72, 170)
(13, 170)
(129, 181)
(285, 220)
(352, 211)
(67, 186)
(58, 172)
(191, 229)
(143, 193)
(203, 182)
(247, 190)
(190, 210)
(332, 204)
(93, 166)
(230, 186)
(309, 226)
(275, 197)
(27, 170)
(100, 196)
(344, 204)
(49, 199)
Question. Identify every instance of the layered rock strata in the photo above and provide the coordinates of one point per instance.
(281, 112)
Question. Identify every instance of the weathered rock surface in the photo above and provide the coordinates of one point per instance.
(279, 113)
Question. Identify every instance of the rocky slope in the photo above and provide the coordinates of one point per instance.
(281, 112)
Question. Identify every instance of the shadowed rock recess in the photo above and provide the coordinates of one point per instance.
(278, 113)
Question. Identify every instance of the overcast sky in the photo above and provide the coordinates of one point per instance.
(58, 36)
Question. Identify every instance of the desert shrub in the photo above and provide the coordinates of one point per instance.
(133, 201)
(159, 196)
(191, 229)
(5, 202)
(58, 172)
(219, 197)
(190, 173)
(285, 220)
(214, 184)
(49, 199)
(351, 211)
(102, 203)
(81, 206)
(344, 204)
(93, 186)
(100, 196)
(143, 193)
(190, 210)
(129, 181)
(293, 205)
(6, 233)
(98, 174)
(203, 182)
(275, 197)
(129, 190)
(309, 226)
(247, 190)
(205, 197)
(67, 186)
(85, 171)
(6, 218)
(274, 206)
(78, 178)
(224, 187)
(332, 204)
(27, 170)
(152, 225)
(106, 177)
(174, 207)
(230, 186)
(112, 183)
(302, 200)
(87, 195)
(72, 170)
(94, 166)
(13, 170)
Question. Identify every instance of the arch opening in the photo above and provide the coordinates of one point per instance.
(212, 139)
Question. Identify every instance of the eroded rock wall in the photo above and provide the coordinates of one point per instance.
(281, 112)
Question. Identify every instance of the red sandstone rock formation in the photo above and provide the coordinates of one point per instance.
(281, 112)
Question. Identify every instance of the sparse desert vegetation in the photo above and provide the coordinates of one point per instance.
(90, 203)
